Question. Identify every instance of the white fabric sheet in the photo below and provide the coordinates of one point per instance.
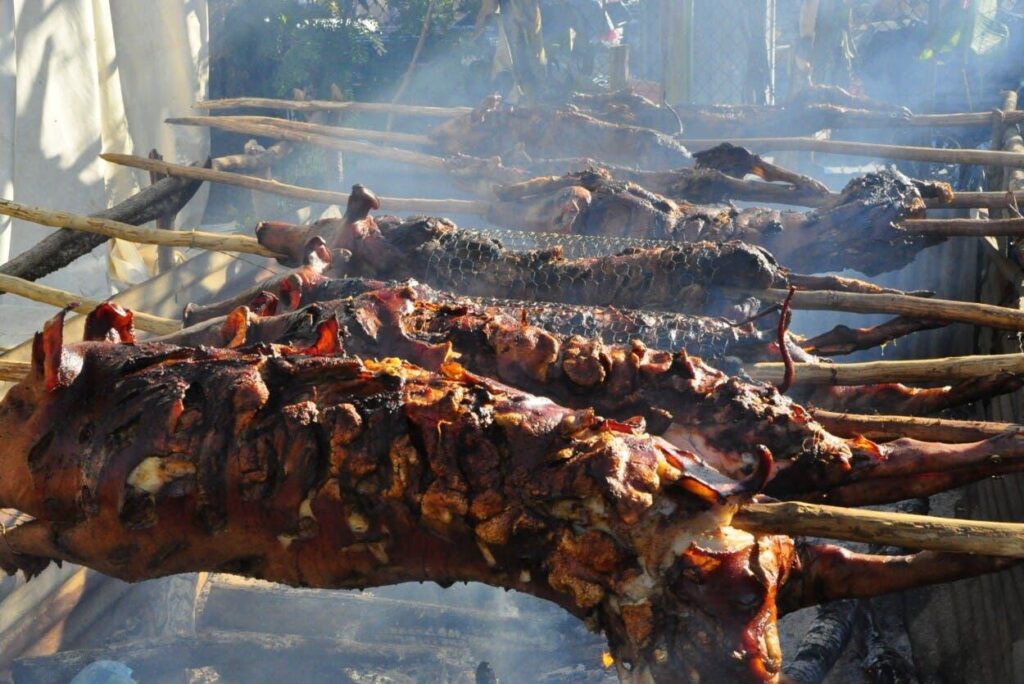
(78, 77)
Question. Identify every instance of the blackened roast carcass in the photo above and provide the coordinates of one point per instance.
(323, 471)
(495, 128)
(696, 278)
(856, 230)
(695, 406)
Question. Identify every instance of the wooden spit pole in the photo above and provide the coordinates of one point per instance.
(352, 146)
(883, 528)
(886, 428)
(858, 149)
(1011, 227)
(942, 370)
(397, 204)
(330, 105)
(342, 132)
(61, 298)
(115, 229)
(14, 371)
(976, 200)
(980, 119)
(1000, 317)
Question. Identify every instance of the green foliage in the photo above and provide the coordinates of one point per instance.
(268, 47)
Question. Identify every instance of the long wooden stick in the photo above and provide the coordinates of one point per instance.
(363, 134)
(115, 229)
(904, 305)
(354, 146)
(971, 200)
(927, 154)
(885, 428)
(61, 298)
(329, 105)
(397, 204)
(884, 528)
(943, 370)
(14, 371)
(1012, 227)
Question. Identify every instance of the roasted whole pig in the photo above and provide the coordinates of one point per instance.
(708, 278)
(675, 395)
(495, 128)
(325, 471)
(855, 230)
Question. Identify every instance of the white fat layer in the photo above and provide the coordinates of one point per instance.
(690, 439)
(709, 531)
(154, 472)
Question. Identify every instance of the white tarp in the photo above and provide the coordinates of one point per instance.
(78, 77)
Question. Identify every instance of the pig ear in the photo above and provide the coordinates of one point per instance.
(290, 291)
(235, 328)
(109, 322)
(328, 342)
(51, 362)
(264, 304)
(317, 254)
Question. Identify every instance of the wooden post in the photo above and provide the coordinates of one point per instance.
(676, 50)
(619, 68)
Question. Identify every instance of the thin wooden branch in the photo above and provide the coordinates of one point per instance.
(397, 204)
(13, 371)
(975, 200)
(329, 105)
(234, 123)
(352, 146)
(61, 298)
(60, 249)
(943, 370)
(887, 428)
(883, 527)
(859, 149)
(1011, 227)
(114, 229)
(958, 119)
(904, 305)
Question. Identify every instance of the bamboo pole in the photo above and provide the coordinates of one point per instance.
(330, 105)
(60, 298)
(115, 229)
(1011, 227)
(960, 119)
(883, 528)
(886, 428)
(411, 204)
(976, 200)
(900, 304)
(13, 371)
(927, 154)
(364, 134)
(353, 146)
(942, 370)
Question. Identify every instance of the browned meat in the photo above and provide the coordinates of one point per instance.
(629, 108)
(852, 231)
(684, 278)
(495, 128)
(147, 460)
(676, 395)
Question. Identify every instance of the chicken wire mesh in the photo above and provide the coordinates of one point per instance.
(679, 277)
(709, 338)
(733, 52)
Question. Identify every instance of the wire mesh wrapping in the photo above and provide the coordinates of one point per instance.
(709, 338)
(681, 277)
(733, 52)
